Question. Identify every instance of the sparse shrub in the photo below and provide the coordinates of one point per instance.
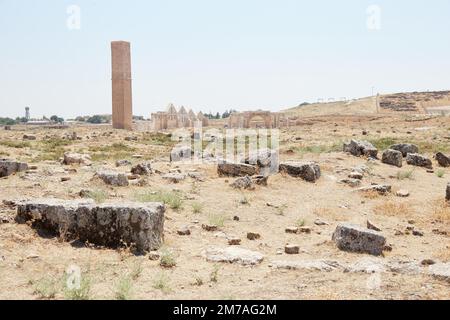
(161, 282)
(402, 175)
(197, 207)
(136, 271)
(124, 288)
(45, 288)
(216, 220)
(98, 195)
(214, 276)
(198, 281)
(440, 173)
(383, 143)
(300, 222)
(172, 199)
(244, 200)
(78, 293)
(16, 144)
(167, 259)
(441, 210)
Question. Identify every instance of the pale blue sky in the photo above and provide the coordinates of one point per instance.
(213, 55)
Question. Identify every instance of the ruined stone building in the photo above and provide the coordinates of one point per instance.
(258, 119)
(173, 119)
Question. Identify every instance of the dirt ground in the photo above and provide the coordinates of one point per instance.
(34, 267)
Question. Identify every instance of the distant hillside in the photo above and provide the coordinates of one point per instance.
(436, 102)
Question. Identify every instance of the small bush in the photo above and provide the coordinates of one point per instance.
(80, 293)
(161, 282)
(440, 173)
(197, 207)
(214, 276)
(46, 288)
(217, 220)
(167, 259)
(172, 199)
(402, 175)
(123, 290)
(99, 196)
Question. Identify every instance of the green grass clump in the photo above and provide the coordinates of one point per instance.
(15, 144)
(172, 199)
(402, 175)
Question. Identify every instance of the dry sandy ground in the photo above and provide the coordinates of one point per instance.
(33, 267)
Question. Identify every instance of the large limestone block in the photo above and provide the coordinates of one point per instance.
(107, 224)
(353, 238)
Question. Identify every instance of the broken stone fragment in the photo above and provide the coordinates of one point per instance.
(174, 177)
(231, 169)
(234, 241)
(77, 158)
(440, 271)
(351, 182)
(405, 148)
(402, 193)
(372, 226)
(123, 163)
(113, 178)
(253, 236)
(9, 167)
(108, 224)
(291, 230)
(181, 153)
(447, 194)
(142, 169)
(184, 231)
(267, 160)
(309, 265)
(353, 238)
(292, 249)
(392, 157)
(382, 189)
(308, 171)
(361, 148)
(442, 159)
(418, 160)
(29, 137)
(209, 227)
(356, 175)
(243, 183)
(233, 254)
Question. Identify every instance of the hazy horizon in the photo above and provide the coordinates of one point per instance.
(212, 57)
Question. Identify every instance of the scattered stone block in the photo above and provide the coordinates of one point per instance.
(382, 189)
(233, 254)
(230, 169)
(113, 178)
(174, 177)
(102, 224)
(184, 231)
(356, 175)
(418, 160)
(123, 163)
(9, 167)
(292, 249)
(243, 183)
(142, 169)
(392, 157)
(253, 236)
(181, 153)
(351, 182)
(353, 238)
(308, 265)
(405, 148)
(29, 137)
(308, 171)
(372, 226)
(77, 158)
(234, 241)
(361, 148)
(291, 230)
(442, 159)
(440, 271)
(402, 193)
(209, 227)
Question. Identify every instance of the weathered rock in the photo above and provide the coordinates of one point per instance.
(29, 137)
(209, 227)
(184, 231)
(305, 229)
(415, 159)
(405, 148)
(356, 175)
(442, 159)
(361, 148)
(260, 180)
(9, 167)
(154, 255)
(243, 183)
(181, 153)
(353, 238)
(291, 230)
(123, 163)
(402, 193)
(233, 254)
(106, 224)
(174, 177)
(231, 169)
(292, 249)
(351, 182)
(440, 271)
(447, 193)
(142, 169)
(366, 265)
(392, 157)
(308, 171)
(253, 236)
(234, 241)
(267, 160)
(308, 265)
(113, 178)
(65, 179)
(77, 158)
(382, 189)
(372, 226)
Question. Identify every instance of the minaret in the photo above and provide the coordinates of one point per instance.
(27, 113)
(122, 112)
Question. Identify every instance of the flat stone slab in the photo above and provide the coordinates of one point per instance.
(9, 167)
(440, 271)
(361, 148)
(352, 238)
(113, 178)
(233, 255)
(405, 148)
(418, 160)
(108, 224)
(308, 171)
(232, 169)
(309, 265)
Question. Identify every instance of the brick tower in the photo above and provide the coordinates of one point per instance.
(122, 111)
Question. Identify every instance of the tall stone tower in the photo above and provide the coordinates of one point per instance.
(122, 111)
(27, 113)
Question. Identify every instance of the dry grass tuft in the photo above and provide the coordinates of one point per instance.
(441, 211)
(391, 208)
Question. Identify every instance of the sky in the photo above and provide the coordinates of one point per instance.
(212, 55)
